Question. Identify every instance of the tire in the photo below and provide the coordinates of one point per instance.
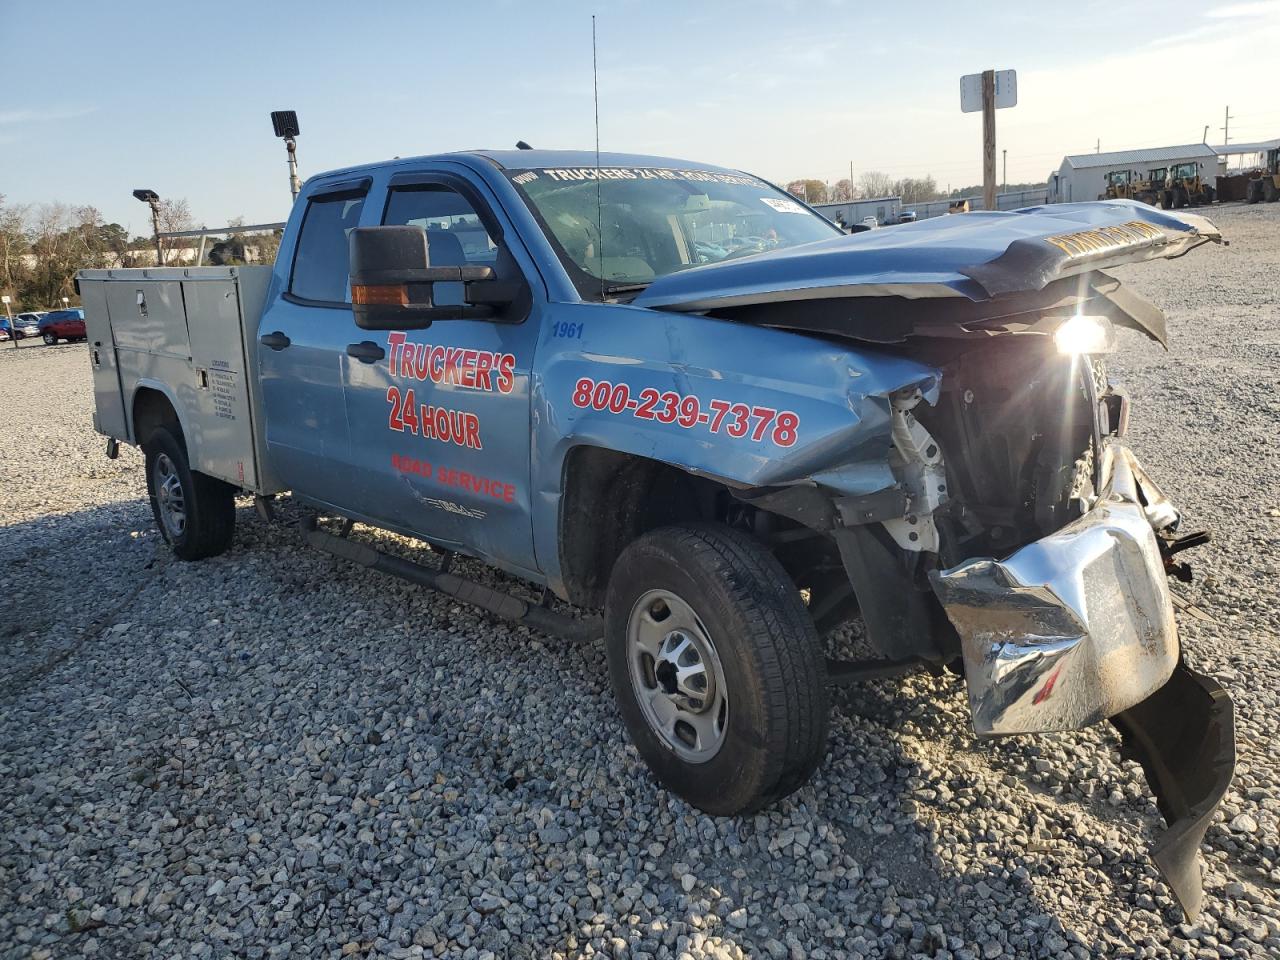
(49, 339)
(1270, 192)
(195, 513)
(761, 658)
(1179, 198)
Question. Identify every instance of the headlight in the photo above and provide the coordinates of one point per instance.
(1085, 334)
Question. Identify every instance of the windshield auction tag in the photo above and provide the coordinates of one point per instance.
(783, 206)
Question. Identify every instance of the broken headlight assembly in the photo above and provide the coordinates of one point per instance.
(1085, 334)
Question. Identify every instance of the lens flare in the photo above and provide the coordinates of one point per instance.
(1085, 334)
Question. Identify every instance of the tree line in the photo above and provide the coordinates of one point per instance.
(874, 184)
(42, 246)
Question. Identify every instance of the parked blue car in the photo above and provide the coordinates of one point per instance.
(24, 325)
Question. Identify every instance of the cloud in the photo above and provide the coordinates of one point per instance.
(31, 115)
(1235, 11)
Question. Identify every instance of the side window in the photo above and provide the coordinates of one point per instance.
(455, 235)
(320, 263)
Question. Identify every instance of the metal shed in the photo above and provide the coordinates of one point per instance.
(884, 209)
(1083, 175)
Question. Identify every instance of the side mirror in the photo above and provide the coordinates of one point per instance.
(393, 282)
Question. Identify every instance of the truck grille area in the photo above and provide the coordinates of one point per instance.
(1015, 421)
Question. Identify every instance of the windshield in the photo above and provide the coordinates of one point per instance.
(645, 223)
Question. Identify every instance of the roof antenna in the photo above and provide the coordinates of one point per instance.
(595, 91)
(521, 145)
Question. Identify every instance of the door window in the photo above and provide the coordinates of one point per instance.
(320, 263)
(456, 236)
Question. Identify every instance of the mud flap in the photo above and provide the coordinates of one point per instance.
(1184, 737)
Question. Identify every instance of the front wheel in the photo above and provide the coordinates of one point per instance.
(717, 667)
(196, 513)
(50, 339)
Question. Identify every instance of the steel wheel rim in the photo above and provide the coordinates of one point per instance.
(677, 676)
(169, 496)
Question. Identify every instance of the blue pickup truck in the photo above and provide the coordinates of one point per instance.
(681, 400)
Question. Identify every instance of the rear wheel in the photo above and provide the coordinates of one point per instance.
(717, 667)
(1270, 192)
(49, 338)
(195, 513)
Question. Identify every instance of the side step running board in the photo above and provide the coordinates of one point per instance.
(843, 673)
(468, 591)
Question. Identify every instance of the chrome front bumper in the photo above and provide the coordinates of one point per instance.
(1076, 627)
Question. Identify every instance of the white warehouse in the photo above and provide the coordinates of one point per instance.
(1083, 176)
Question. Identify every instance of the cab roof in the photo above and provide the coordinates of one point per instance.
(526, 159)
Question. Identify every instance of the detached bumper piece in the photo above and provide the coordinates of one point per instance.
(1079, 627)
(1073, 628)
(1184, 737)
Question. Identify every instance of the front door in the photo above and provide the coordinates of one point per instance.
(302, 341)
(439, 417)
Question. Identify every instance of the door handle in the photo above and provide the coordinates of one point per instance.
(366, 351)
(275, 340)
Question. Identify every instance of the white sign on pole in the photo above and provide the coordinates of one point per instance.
(4, 299)
(971, 91)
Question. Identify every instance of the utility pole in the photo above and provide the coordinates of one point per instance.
(1004, 171)
(152, 199)
(1097, 147)
(988, 91)
(988, 139)
(155, 230)
(1226, 126)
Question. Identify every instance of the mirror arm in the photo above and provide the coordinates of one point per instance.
(497, 293)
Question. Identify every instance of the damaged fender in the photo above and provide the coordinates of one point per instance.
(719, 406)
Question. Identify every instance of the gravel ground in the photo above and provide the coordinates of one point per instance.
(277, 754)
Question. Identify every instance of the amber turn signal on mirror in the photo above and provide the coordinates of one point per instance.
(380, 294)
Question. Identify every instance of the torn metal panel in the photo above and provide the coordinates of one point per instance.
(1073, 628)
(974, 257)
(1184, 737)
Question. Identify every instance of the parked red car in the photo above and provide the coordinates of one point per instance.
(62, 325)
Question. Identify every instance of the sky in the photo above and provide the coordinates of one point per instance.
(100, 98)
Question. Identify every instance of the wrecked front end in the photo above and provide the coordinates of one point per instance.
(1021, 541)
(1078, 626)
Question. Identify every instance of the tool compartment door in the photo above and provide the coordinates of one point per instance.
(219, 391)
(108, 396)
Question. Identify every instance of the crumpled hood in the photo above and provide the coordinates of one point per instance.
(977, 256)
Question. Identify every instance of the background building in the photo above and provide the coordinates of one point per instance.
(1083, 176)
(850, 212)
